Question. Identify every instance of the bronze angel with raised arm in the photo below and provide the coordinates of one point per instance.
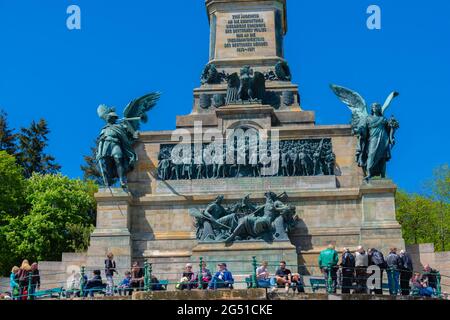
(376, 133)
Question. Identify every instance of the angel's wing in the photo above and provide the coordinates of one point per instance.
(259, 86)
(388, 102)
(354, 101)
(103, 111)
(138, 109)
(233, 88)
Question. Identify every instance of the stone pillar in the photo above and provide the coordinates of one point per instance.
(379, 226)
(112, 233)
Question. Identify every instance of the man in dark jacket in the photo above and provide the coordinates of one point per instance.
(430, 276)
(394, 265)
(348, 270)
(406, 272)
(376, 258)
(94, 284)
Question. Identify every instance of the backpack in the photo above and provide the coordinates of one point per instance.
(349, 261)
(378, 259)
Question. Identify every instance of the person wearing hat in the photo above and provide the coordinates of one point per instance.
(222, 279)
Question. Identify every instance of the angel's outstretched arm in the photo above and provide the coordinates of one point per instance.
(389, 100)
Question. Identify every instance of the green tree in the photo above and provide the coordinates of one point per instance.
(414, 215)
(12, 187)
(61, 219)
(12, 202)
(32, 144)
(7, 135)
(90, 170)
(426, 218)
(439, 190)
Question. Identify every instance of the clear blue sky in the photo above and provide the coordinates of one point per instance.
(128, 48)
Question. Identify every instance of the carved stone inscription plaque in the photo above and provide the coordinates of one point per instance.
(245, 34)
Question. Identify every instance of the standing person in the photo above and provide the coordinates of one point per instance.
(110, 269)
(35, 280)
(23, 276)
(137, 277)
(222, 279)
(394, 265)
(376, 258)
(361, 264)
(406, 272)
(205, 275)
(348, 270)
(14, 282)
(328, 260)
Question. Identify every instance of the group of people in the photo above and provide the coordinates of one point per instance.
(24, 281)
(349, 272)
(283, 278)
(204, 279)
(223, 278)
(353, 268)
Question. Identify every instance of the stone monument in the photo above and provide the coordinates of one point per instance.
(164, 214)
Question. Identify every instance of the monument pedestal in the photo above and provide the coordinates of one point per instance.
(326, 189)
(112, 233)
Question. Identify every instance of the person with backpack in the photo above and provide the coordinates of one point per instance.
(348, 268)
(361, 264)
(394, 265)
(110, 269)
(406, 273)
(376, 258)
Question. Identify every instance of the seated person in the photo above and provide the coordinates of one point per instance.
(188, 280)
(263, 276)
(125, 285)
(430, 276)
(94, 284)
(156, 286)
(205, 275)
(222, 279)
(421, 286)
(137, 277)
(285, 278)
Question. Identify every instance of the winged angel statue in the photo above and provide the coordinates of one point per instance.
(115, 154)
(376, 133)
